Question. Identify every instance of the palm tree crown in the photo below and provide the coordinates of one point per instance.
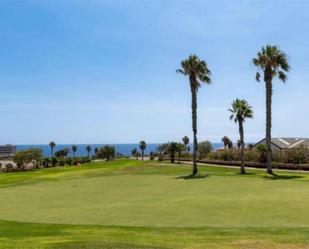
(197, 70)
(142, 145)
(240, 110)
(273, 62)
(88, 148)
(52, 144)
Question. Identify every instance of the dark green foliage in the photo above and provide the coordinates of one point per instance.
(54, 161)
(204, 148)
(142, 146)
(61, 161)
(69, 161)
(74, 149)
(152, 156)
(24, 157)
(88, 148)
(107, 152)
(62, 153)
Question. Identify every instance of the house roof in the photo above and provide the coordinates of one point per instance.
(289, 143)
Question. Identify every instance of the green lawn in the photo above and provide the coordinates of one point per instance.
(134, 204)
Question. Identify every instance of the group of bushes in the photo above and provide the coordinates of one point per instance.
(62, 161)
(43, 163)
(290, 156)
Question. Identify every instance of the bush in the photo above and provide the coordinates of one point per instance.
(76, 160)
(203, 149)
(69, 161)
(61, 161)
(54, 161)
(23, 158)
(9, 167)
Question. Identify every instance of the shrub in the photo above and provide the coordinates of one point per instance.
(54, 161)
(69, 161)
(61, 161)
(152, 157)
(204, 148)
(9, 167)
(76, 160)
(24, 157)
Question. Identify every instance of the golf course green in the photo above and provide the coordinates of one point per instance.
(147, 204)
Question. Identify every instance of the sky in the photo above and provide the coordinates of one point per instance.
(105, 71)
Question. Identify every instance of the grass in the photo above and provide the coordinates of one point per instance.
(134, 204)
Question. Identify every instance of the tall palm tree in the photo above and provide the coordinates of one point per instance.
(272, 63)
(225, 140)
(240, 111)
(142, 146)
(88, 148)
(52, 145)
(198, 73)
(74, 149)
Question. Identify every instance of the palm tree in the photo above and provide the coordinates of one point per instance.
(240, 111)
(186, 142)
(272, 62)
(142, 146)
(198, 73)
(88, 148)
(52, 145)
(74, 149)
(134, 153)
(225, 140)
(180, 148)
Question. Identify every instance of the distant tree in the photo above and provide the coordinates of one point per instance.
(88, 148)
(152, 156)
(142, 146)
(241, 111)
(225, 140)
(23, 158)
(107, 152)
(180, 148)
(62, 153)
(52, 145)
(230, 144)
(204, 148)
(272, 62)
(186, 142)
(262, 148)
(172, 149)
(160, 151)
(96, 151)
(134, 153)
(238, 144)
(74, 149)
(198, 73)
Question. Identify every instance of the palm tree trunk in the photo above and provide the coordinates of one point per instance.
(143, 155)
(268, 124)
(194, 125)
(179, 154)
(242, 147)
(51, 152)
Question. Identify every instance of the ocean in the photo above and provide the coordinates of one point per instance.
(124, 149)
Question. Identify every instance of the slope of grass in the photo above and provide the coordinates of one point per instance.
(134, 204)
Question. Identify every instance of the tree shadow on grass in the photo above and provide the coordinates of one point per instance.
(192, 177)
(245, 174)
(281, 177)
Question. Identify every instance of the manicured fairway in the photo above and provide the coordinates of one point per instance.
(134, 204)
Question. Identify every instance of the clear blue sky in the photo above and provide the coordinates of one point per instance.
(104, 71)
